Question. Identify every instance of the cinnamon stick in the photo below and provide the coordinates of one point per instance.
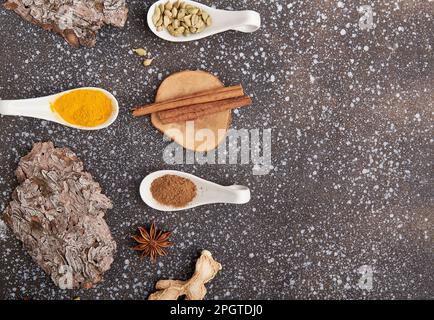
(196, 111)
(201, 97)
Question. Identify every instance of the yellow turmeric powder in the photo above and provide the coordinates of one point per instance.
(86, 107)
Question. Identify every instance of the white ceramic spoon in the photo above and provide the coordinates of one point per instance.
(222, 20)
(40, 108)
(207, 192)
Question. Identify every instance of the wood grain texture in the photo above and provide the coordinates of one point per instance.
(183, 84)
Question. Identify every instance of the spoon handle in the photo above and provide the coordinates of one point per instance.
(245, 21)
(233, 194)
(36, 108)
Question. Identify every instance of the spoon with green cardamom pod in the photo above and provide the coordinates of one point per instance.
(181, 21)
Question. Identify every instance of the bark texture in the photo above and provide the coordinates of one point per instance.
(78, 21)
(57, 211)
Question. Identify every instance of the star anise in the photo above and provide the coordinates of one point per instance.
(152, 243)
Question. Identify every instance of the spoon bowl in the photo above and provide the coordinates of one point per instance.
(40, 108)
(206, 192)
(222, 20)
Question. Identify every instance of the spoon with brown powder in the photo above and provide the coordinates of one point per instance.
(170, 190)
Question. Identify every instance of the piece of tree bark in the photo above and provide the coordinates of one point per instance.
(77, 21)
(57, 211)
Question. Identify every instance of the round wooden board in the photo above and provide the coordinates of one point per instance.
(186, 83)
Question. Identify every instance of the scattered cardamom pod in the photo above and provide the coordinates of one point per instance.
(140, 52)
(180, 18)
(143, 53)
(147, 62)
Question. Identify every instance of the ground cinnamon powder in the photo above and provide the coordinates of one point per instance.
(172, 190)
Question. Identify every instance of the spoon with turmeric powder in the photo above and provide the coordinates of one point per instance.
(82, 108)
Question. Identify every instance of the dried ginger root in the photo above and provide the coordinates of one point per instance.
(193, 289)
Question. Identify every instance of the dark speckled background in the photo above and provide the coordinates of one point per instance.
(351, 113)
